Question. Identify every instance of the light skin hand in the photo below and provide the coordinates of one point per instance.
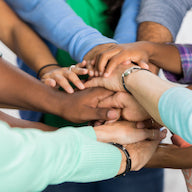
(131, 109)
(60, 77)
(113, 82)
(124, 132)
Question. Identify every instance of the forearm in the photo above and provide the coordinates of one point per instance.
(167, 104)
(170, 156)
(52, 158)
(21, 90)
(154, 32)
(15, 122)
(165, 13)
(164, 56)
(29, 47)
(147, 89)
(78, 39)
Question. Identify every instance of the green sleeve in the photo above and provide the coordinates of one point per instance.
(31, 159)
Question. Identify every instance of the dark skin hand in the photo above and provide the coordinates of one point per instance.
(20, 90)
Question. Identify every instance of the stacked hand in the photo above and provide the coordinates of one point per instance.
(101, 104)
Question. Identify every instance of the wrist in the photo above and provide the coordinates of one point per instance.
(46, 69)
(123, 163)
(126, 77)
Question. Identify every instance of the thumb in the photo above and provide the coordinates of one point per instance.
(143, 64)
(177, 140)
(107, 114)
(95, 82)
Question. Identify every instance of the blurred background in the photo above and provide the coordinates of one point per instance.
(173, 180)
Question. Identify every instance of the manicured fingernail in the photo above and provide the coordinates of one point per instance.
(140, 125)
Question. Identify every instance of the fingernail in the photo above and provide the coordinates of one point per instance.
(81, 86)
(126, 62)
(100, 73)
(140, 125)
(162, 135)
(112, 114)
(146, 66)
(70, 90)
(106, 74)
(91, 73)
(85, 71)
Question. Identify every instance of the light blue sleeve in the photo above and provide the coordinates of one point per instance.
(175, 109)
(126, 30)
(55, 21)
(31, 159)
(169, 13)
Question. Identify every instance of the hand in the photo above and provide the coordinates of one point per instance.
(131, 109)
(141, 152)
(94, 54)
(82, 106)
(177, 140)
(113, 82)
(124, 132)
(106, 61)
(62, 76)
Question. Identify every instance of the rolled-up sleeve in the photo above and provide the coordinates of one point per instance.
(169, 13)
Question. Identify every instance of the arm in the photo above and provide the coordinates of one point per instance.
(50, 18)
(33, 51)
(167, 14)
(161, 105)
(15, 91)
(22, 40)
(14, 122)
(170, 156)
(33, 159)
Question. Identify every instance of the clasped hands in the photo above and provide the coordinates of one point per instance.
(141, 143)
